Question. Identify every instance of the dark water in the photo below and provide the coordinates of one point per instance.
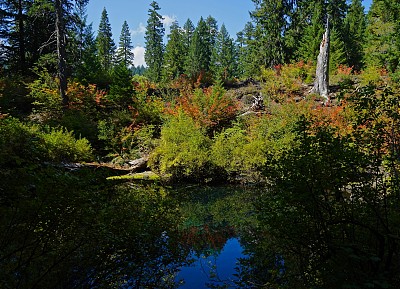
(74, 231)
(217, 268)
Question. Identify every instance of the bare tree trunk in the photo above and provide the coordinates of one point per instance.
(61, 52)
(321, 84)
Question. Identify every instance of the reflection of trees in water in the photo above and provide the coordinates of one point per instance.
(206, 239)
(70, 230)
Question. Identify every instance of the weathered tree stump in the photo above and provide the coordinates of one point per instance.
(321, 83)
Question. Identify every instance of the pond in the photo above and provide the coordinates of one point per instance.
(60, 234)
(74, 230)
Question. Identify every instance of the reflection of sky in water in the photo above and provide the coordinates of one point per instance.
(221, 267)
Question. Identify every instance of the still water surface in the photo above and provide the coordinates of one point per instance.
(216, 268)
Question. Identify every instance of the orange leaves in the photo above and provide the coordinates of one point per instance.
(208, 107)
(336, 117)
(81, 96)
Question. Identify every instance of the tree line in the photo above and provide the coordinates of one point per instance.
(280, 31)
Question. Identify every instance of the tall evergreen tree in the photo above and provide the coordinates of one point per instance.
(199, 54)
(76, 35)
(124, 51)
(269, 17)
(89, 70)
(309, 45)
(355, 24)
(337, 54)
(212, 26)
(382, 35)
(105, 43)
(223, 62)
(248, 50)
(188, 30)
(154, 43)
(174, 57)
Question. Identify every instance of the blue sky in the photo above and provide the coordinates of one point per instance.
(233, 13)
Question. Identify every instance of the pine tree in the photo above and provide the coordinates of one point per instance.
(382, 35)
(247, 52)
(309, 45)
(154, 43)
(212, 26)
(337, 54)
(355, 24)
(198, 59)
(124, 53)
(223, 64)
(89, 70)
(105, 43)
(188, 30)
(269, 17)
(76, 35)
(174, 57)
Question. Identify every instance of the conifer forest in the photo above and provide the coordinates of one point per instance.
(282, 141)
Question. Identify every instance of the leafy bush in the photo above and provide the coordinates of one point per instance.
(183, 150)
(209, 108)
(343, 76)
(284, 81)
(372, 75)
(21, 143)
(44, 91)
(61, 145)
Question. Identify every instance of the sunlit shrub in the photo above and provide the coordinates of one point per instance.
(21, 143)
(285, 81)
(209, 108)
(183, 149)
(373, 75)
(343, 76)
(61, 145)
(44, 91)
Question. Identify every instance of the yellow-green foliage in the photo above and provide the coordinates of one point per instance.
(284, 81)
(227, 149)
(183, 150)
(372, 75)
(44, 91)
(21, 143)
(245, 149)
(60, 144)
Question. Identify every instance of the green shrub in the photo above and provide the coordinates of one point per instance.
(183, 150)
(22, 143)
(61, 145)
(227, 151)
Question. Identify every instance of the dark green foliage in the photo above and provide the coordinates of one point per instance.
(105, 43)
(199, 54)
(382, 37)
(355, 24)
(174, 57)
(309, 46)
(337, 54)
(121, 89)
(154, 43)
(223, 58)
(247, 50)
(269, 17)
(188, 30)
(124, 53)
(89, 70)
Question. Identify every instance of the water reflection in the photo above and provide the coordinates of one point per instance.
(75, 231)
(213, 268)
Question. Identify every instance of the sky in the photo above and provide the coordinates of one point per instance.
(233, 13)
